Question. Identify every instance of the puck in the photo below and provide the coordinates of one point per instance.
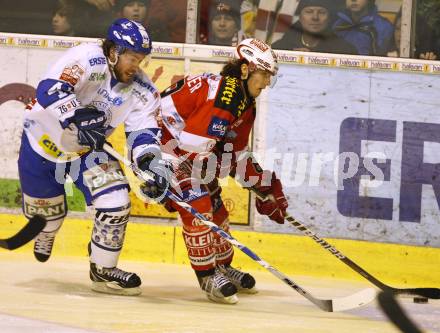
(420, 300)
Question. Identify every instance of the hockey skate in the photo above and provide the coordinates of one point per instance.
(43, 245)
(244, 282)
(218, 288)
(114, 281)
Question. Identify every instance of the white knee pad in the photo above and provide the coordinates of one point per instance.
(112, 199)
(112, 212)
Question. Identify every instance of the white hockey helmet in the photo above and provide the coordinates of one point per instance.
(258, 53)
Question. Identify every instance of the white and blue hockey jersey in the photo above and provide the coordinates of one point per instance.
(82, 77)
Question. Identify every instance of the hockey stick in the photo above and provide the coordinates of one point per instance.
(330, 305)
(424, 292)
(25, 235)
(396, 314)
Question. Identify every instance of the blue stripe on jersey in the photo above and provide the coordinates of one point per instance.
(150, 136)
(50, 91)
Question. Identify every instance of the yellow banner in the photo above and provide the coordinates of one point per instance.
(163, 73)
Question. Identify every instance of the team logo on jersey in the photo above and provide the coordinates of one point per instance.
(50, 208)
(230, 96)
(72, 74)
(218, 127)
(140, 95)
(144, 84)
(97, 61)
(117, 101)
(196, 223)
(97, 77)
(229, 90)
(114, 100)
(100, 178)
(49, 147)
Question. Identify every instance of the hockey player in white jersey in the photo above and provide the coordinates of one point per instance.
(85, 95)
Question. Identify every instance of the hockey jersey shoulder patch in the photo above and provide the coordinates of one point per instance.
(218, 127)
(72, 74)
(230, 96)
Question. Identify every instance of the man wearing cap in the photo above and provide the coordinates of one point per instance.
(224, 24)
(312, 33)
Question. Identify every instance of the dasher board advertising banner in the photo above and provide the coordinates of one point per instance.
(358, 152)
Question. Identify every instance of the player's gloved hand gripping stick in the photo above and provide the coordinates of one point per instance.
(424, 292)
(337, 304)
(90, 124)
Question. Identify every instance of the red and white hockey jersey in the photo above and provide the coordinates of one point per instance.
(202, 112)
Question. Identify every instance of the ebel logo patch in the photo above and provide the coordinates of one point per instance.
(218, 127)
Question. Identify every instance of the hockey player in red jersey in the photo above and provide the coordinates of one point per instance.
(207, 120)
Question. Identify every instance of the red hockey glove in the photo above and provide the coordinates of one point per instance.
(276, 204)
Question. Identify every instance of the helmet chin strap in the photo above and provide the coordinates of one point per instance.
(113, 63)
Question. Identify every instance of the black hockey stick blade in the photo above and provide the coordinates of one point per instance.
(433, 293)
(396, 314)
(25, 235)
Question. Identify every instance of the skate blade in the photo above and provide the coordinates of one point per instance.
(251, 291)
(224, 300)
(113, 289)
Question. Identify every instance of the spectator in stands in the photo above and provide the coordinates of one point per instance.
(425, 45)
(166, 20)
(141, 11)
(312, 33)
(225, 23)
(135, 10)
(63, 18)
(69, 18)
(83, 18)
(361, 25)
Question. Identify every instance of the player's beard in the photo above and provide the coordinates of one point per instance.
(122, 76)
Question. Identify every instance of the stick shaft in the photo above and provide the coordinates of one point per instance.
(425, 292)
